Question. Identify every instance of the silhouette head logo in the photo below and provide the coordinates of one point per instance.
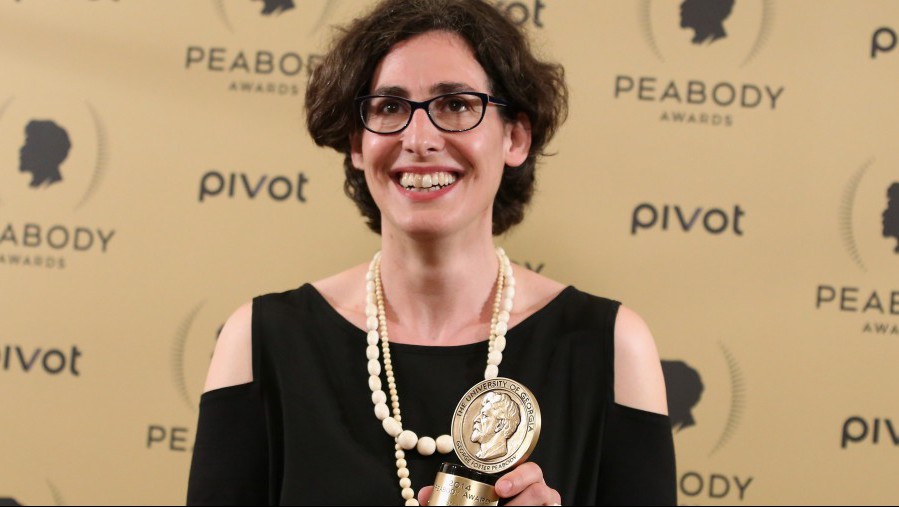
(684, 387)
(891, 215)
(495, 424)
(706, 18)
(46, 148)
(276, 6)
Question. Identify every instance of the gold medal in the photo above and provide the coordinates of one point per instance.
(496, 425)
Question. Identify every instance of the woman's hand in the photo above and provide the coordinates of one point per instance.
(522, 486)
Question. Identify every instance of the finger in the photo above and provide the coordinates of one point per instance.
(424, 495)
(537, 494)
(519, 479)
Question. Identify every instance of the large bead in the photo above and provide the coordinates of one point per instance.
(507, 305)
(374, 383)
(381, 411)
(503, 317)
(501, 328)
(408, 493)
(407, 440)
(372, 323)
(405, 482)
(374, 367)
(372, 352)
(373, 337)
(370, 285)
(495, 358)
(392, 427)
(491, 372)
(509, 292)
(402, 473)
(444, 444)
(499, 344)
(371, 310)
(426, 446)
(378, 397)
(411, 501)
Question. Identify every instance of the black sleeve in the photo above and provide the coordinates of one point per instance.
(230, 463)
(637, 464)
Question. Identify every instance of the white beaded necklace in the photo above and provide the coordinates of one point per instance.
(377, 330)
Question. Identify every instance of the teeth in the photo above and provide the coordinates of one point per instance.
(427, 181)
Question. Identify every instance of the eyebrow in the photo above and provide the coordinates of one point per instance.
(437, 89)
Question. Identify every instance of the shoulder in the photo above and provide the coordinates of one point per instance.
(639, 382)
(232, 361)
(538, 290)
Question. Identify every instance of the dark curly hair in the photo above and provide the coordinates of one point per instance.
(533, 87)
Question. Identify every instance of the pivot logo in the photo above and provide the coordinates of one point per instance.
(715, 221)
(55, 153)
(521, 13)
(721, 34)
(884, 40)
(215, 184)
(706, 402)
(868, 225)
(859, 430)
(29, 359)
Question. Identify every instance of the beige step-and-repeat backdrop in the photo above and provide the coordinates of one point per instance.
(730, 169)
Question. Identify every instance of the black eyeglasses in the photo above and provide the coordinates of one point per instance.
(452, 112)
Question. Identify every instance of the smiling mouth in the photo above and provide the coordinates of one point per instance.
(429, 182)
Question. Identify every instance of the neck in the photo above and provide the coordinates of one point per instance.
(439, 291)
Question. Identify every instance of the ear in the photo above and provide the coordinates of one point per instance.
(356, 149)
(518, 139)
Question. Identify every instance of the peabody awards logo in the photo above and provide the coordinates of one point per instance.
(869, 229)
(52, 165)
(190, 353)
(260, 56)
(54, 494)
(706, 40)
(706, 403)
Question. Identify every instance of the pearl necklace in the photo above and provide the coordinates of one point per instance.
(377, 330)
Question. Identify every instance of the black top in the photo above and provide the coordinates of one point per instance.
(304, 431)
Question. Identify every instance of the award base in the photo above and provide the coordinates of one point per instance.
(458, 485)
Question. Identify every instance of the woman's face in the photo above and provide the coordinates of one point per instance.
(418, 69)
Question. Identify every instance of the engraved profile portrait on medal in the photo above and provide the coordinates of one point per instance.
(498, 419)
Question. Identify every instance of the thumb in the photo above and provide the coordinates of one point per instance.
(424, 495)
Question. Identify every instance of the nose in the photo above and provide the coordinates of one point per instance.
(421, 137)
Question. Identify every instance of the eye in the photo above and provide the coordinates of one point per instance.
(457, 105)
(389, 107)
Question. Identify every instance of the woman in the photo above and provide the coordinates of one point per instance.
(442, 112)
